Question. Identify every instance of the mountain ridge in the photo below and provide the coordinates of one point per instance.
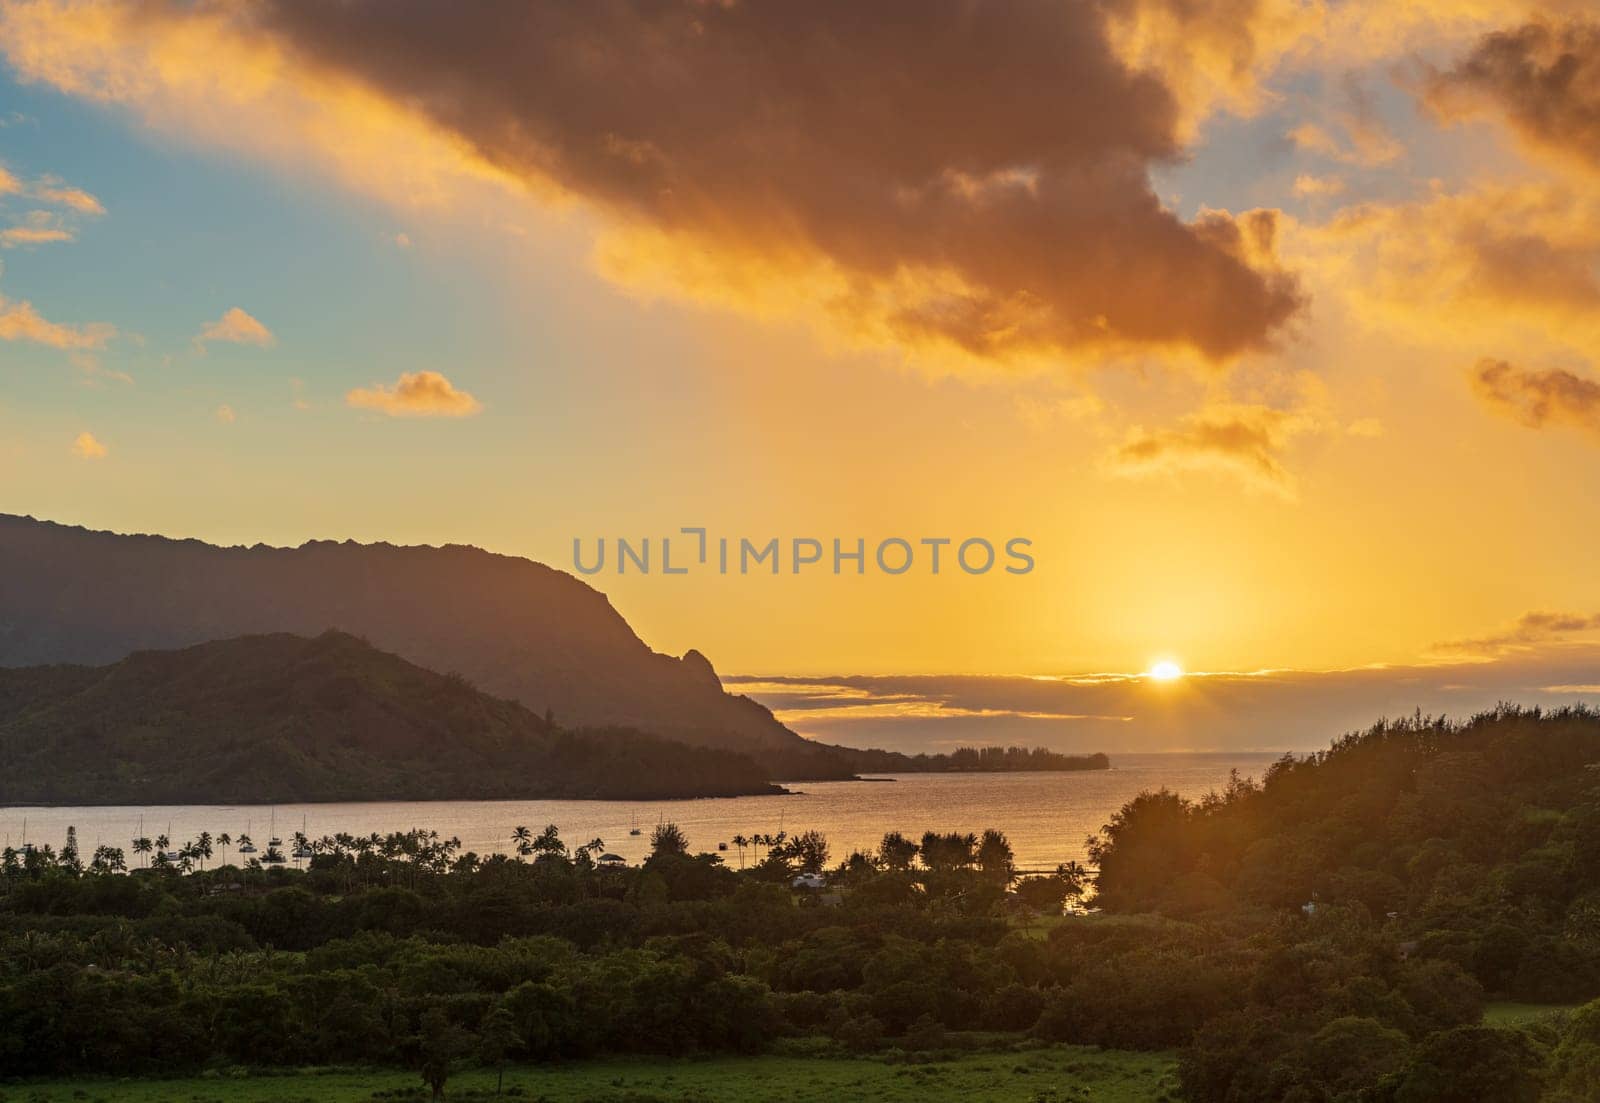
(283, 718)
(518, 628)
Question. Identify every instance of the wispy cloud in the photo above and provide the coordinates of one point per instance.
(1242, 441)
(66, 205)
(19, 321)
(1538, 398)
(416, 394)
(236, 327)
(35, 228)
(1529, 631)
(1307, 186)
(1354, 133)
(88, 447)
(51, 190)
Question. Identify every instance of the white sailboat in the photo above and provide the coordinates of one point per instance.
(303, 849)
(274, 855)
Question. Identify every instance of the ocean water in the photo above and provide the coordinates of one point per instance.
(1047, 816)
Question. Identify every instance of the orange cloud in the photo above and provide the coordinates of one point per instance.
(1499, 264)
(1213, 54)
(51, 190)
(1539, 398)
(974, 182)
(1307, 185)
(1243, 441)
(1543, 78)
(199, 69)
(36, 228)
(87, 447)
(236, 327)
(19, 321)
(1530, 630)
(416, 394)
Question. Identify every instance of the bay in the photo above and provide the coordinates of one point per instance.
(1046, 816)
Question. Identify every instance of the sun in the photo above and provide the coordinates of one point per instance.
(1166, 671)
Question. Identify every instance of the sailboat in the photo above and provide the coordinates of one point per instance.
(245, 845)
(303, 850)
(274, 855)
(635, 830)
(172, 855)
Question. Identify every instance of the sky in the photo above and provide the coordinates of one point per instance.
(1271, 325)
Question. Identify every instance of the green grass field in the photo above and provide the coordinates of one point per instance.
(1063, 1074)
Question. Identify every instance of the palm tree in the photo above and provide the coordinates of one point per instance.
(142, 846)
(741, 842)
(523, 840)
(224, 840)
(202, 848)
(108, 859)
(1076, 877)
(549, 843)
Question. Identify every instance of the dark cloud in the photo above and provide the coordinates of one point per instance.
(1538, 398)
(1530, 630)
(973, 174)
(1544, 78)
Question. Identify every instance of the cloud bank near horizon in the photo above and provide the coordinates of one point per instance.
(1266, 711)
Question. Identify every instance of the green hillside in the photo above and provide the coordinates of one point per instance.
(286, 718)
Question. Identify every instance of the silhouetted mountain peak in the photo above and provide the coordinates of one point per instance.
(281, 717)
(698, 666)
(515, 628)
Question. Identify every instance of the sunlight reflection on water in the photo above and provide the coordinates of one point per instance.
(1047, 816)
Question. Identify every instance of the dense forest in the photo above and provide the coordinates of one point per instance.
(1331, 932)
(1464, 857)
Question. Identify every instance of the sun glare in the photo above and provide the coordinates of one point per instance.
(1166, 671)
